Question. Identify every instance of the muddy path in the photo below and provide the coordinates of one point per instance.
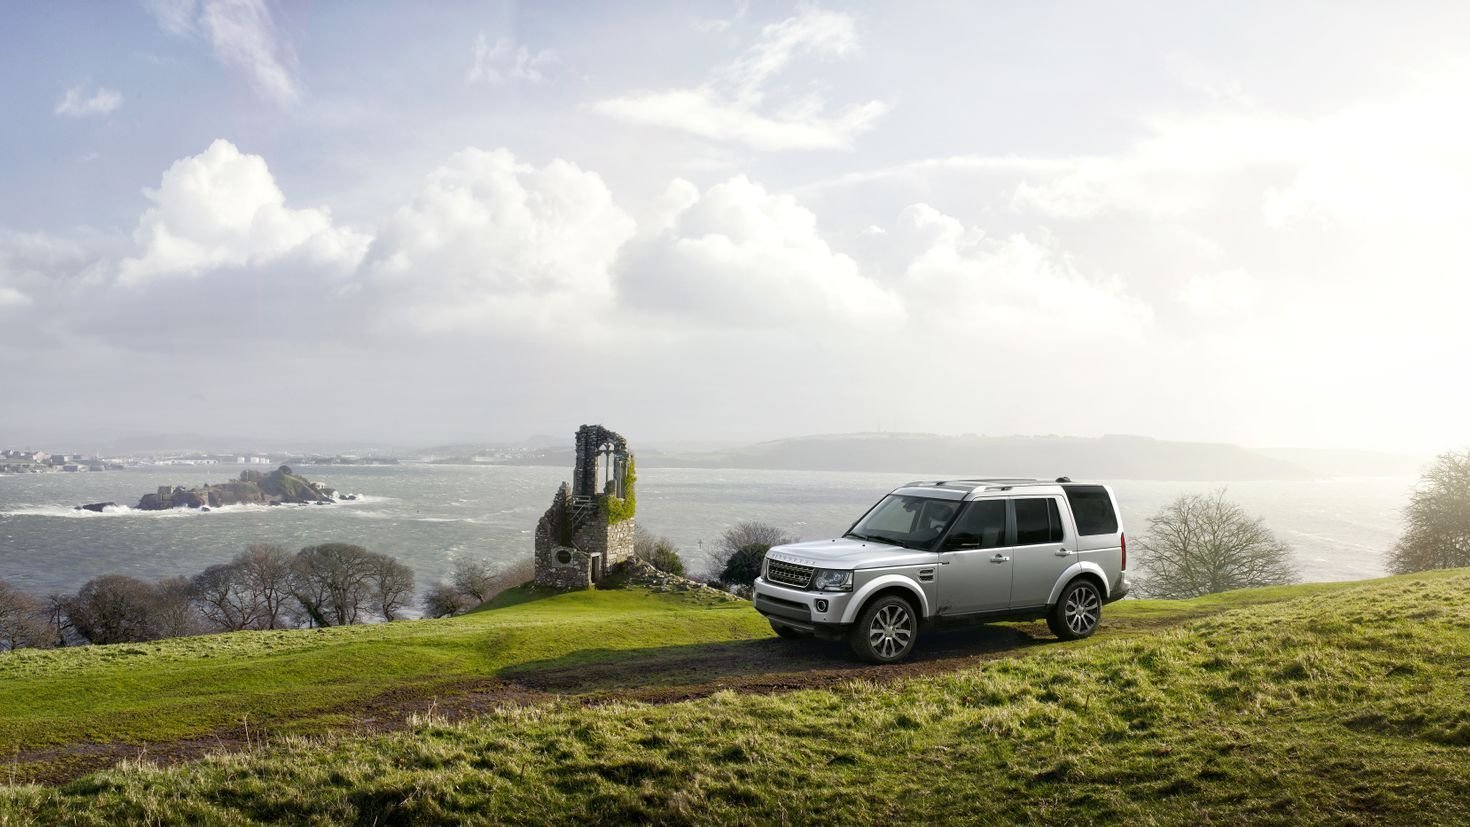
(592, 677)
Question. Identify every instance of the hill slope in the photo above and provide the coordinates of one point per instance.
(1323, 703)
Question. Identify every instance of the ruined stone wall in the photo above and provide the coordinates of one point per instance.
(558, 565)
(614, 541)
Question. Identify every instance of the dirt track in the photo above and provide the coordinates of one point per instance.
(662, 675)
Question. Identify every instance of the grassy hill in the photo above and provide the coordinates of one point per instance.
(1341, 703)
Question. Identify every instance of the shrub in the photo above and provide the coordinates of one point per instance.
(741, 549)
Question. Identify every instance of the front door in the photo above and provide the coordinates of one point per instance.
(1044, 549)
(975, 561)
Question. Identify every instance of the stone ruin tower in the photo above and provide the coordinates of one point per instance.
(589, 527)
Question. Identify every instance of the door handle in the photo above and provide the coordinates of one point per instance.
(1000, 558)
(1061, 552)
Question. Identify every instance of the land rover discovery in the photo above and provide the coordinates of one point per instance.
(963, 550)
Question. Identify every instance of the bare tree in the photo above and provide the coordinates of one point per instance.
(172, 612)
(474, 579)
(392, 586)
(738, 554)
(339, 584)
(22, 620)
(224, 598)
(474, 584)
(333, 583)
(1437, 519)
(1201, 544)
(266, 569)
(444, 600)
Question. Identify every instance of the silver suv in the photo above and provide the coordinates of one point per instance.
(981, 549)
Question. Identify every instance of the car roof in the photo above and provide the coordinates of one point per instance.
(963, 488)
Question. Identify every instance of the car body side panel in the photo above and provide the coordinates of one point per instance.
(1080, 567)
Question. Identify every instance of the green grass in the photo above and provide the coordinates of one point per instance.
(1343, 704)
(301, 681)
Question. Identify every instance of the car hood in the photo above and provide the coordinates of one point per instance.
(847, 553)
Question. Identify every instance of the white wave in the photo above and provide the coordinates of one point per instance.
(366, 499)
(68, 512)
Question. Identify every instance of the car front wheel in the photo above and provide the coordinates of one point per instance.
(885, 631)
(1078, 612)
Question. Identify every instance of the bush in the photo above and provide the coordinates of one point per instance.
(115, 608)
(1437, 519)
(659, 552)
(742, 548)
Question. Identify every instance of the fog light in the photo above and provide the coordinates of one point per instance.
(821, 605)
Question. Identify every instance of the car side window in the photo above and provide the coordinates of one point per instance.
(981, 525)
(1037, 521)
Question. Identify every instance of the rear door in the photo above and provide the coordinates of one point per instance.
(1099, 528)
(975, 560)
(1045, 548)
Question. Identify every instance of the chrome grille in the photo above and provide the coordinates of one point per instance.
(788, 574)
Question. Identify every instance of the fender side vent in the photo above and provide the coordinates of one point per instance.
(926, 575)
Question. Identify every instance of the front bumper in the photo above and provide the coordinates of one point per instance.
(800, 609)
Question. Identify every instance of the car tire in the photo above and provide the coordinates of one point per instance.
(789, 633)
(1077, 612)
(885, 630)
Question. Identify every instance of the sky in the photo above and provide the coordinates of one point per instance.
(721, 221)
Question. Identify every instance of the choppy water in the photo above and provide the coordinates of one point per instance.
(429, 515)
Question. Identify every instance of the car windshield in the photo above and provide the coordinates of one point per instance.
(913, 522)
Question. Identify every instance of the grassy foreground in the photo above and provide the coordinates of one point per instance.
(1339, 704)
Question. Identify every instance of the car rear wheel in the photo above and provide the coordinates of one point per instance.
(789, 633)
(1077, 613)
(885, 631)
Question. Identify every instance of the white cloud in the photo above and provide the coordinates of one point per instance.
(505, 61)
(222, 208)
(729, 106)
(78, 101)
(489, 241)
(1018, 289)
(738, 256)
(243, 37)
(1231, 293)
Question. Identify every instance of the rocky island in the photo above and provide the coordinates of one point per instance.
(278, 487)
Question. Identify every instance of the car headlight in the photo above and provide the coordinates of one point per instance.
(832, 580)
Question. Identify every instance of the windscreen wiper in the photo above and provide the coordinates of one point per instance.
(876, 539)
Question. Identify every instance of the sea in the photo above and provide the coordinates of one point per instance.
(428, 516)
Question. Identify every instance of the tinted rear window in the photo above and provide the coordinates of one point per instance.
(1038, 521)
(1093, 509)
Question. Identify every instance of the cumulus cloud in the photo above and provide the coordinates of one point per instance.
(222, 208)
(505, 61)
(734, 104)
(490, 241)
(740, 256)
(79, 101)
(243, 36)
